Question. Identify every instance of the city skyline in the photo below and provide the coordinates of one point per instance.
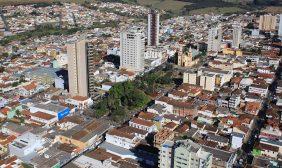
(140, 84)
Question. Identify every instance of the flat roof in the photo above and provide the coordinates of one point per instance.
(51, 107)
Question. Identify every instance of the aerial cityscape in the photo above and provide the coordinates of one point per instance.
(140, 83)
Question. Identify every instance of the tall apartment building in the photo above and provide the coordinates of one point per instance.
(214, 39)
(165, 155)
(184, 154)
(153, 28)
(280, 26)
(132, 47)
(267, 22)
(237, 33)
(80, 67)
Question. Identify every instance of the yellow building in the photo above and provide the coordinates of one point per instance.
(230, 51)
(186, 59)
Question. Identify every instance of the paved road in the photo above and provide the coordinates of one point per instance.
(259, 121)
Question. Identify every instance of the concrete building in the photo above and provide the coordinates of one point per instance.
(79, 102)
(121, 139)
(214, 39)
(80, 66)
(237, 140)
(190, 77)
(207, 81)
(26, 145)
(165, 154)
(89, 135)
(52, 109)
(154, 52)
(237, 33)
(267, 22)
(280, 26)
(188, 154)
(153, 28)
(132, 46)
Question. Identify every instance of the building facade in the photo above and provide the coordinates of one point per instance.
(237, 33)
(80, 66)
(214, 39)
(153, 28)
(132, 46)
(267, 22)
(280, 26)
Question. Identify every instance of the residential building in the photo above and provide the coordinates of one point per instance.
(132, 46)
(237, 140)
(80, 68)
(153, 28)
(121, 139)
(80, 102)
(165, 154)
(143, 124)
(262, 90)
(237, 33)
(162, 136)
(280, 26)
(214, 39)
(267, 22)
(188, 154)
(221, 158)
(190, 77)
(207, 81)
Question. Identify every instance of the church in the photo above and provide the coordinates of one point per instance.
(187, 58)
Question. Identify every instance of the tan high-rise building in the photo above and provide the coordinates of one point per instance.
(267, 22)
(80, 65)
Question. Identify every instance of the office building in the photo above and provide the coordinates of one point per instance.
(237, 33)
(280, 26)
(214, 39)
(153, 28)
(267, 22)
(80, 67)
(132, 46)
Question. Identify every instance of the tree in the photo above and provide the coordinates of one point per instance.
(15, 84)
(2, 69)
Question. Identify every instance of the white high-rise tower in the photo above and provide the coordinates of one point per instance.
(132, 47)
(153, 28)
(214, 39)
(237, 33)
